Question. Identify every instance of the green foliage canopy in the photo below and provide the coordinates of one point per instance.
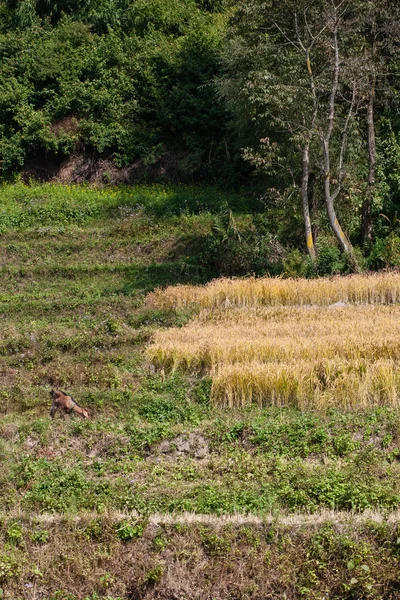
(125, 80)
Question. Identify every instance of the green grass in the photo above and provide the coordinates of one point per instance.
(45, 206)
(75, 265)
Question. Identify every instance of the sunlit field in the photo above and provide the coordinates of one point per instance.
(299, 343)
(358, 289)
(163, 476)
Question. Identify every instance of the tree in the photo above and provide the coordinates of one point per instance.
(262, 63)
(378, 26)
(301, 66)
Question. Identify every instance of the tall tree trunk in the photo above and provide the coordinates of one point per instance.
(314, 206)
(340, 235)
(305, 201)
(330, 196)
(366, 211)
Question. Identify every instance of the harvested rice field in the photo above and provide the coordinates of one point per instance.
(380, 288)
(304, 343)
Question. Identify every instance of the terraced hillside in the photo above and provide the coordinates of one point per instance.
(167, 492)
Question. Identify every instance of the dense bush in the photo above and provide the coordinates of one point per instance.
(385, 252)
(128, 81)
(239, 249)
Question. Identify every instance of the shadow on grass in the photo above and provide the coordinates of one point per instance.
(144, 279)
(208, 200)
(161, 201)
(189, 261)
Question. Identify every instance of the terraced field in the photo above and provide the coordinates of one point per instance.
(188, 481)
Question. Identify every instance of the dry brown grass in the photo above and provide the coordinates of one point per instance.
(295, 519)
(309, 385)
(357, 289)
(205, 559)
(307, 356)
(218, 338)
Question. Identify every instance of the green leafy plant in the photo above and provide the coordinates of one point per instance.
(14, 534)
(128, 530)
(154, 574)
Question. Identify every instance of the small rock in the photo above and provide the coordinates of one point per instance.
(183, 446)
(164, 447)
(339, 304)
(201, 452)
(194, 445)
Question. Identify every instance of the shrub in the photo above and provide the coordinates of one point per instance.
(385, 252)
(330, 261)
(231, 249)
(128, 530)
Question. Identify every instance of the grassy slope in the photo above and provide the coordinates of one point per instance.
(75, 266)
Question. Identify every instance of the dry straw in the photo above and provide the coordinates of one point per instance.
(218, 338)
(303, 355)
(357, 289)
(306, 385)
